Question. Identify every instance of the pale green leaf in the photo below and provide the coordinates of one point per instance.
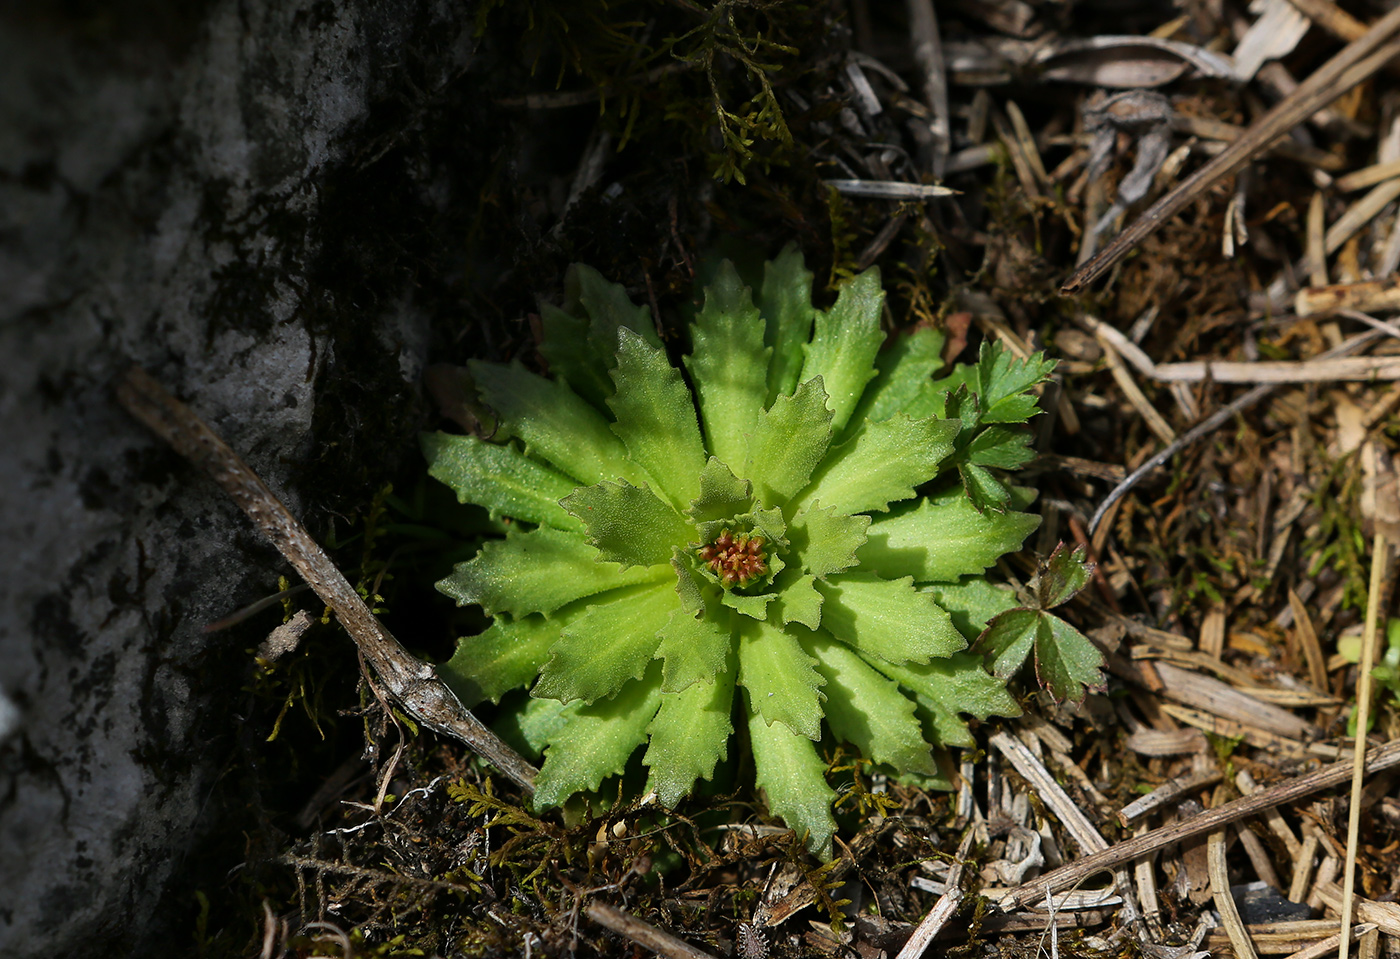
(1067, 663)
(844, 344)
(946, 688)
(696, 641)
(656, 418)
(507, 656)
(866, 708)
(792, 775)
(785, 300)
(904, 382)
(781, 679)
(827, 539)
(722, 495)
(538, 572)
(789, 440)
(689, 735)
(943, 539)
(798, 602)
(628, 524)
(880, 464)
(612, 642)
(609, 308)
(555, 424)
(887, 618)
(573, 356)
(597, 741)
(528, 728)
(972, 602)
(755, 606)
(500, 478)
(728, 364)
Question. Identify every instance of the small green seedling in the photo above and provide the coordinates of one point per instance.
(1386, 672)
(788, 534)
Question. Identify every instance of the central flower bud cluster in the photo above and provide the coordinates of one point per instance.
(736, 560)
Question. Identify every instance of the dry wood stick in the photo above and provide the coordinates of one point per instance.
(1379, 553)
(412, 682)
(1383, 757)
(642, 933)
(1353, 64)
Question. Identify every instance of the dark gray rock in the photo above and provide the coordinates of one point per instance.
(163, 172)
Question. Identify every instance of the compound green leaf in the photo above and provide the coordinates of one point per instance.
(1005, 447)
(1061, 576)
(904, 381)
(984, 490)
(827, 539)
(597, 741)
(785, 300)
(881, 463)
(538, 572)
(1008, 640)
(507, 656)
(612, 642)
(946, 688)
(844, 344)
(500, 478)
(789, 440)
(555, 423)
(628, 524)
(656, 418)
(1067, 663)
(1003, 383)
(728, 365)
(781, 679)
(689, 735)
(943, 539)
(866, 708)
(788, 769)
(887, 618)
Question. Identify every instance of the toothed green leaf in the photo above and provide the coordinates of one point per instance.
(689, 735)
(1067, 663)
(722, 495)
(728, 364)
(573, 356)
(826, 539)
(1005, 447)
(881, 464)
(942, 539)
(1003, 383)
(609, 308)
(781, 679)
(971, 602)
(628, 524)
(904, 382)
(844, 344)
(500, 478)
(788, 769)
(1008, 640)
(985, 491)
(538, 572)
(798, 602)
(597, 741)
(1061, 576)
(555, 424)
(785, 300)
(694, 647)
(887, 618)
(788, 442)
(656, 418)
(755, 607)
(528, 728)
(507, 656)
(607, 645)
(946, 688)
(866, 708)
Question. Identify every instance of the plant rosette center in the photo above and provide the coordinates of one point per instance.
(807, 518)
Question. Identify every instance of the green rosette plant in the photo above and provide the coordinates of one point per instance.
(741, 541)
